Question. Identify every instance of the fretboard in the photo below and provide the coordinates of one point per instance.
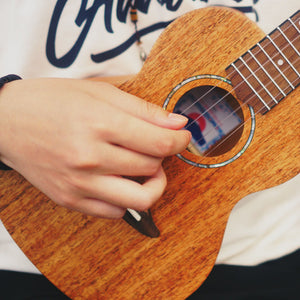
(270, 70)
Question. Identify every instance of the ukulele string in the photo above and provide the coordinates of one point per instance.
(253, 72)
(238, 127)
(247, 60)
(232, 133)
(232, 90)
(244, 104)
(236, 110)
(199, 99)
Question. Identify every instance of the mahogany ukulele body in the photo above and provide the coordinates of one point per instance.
(89, 258)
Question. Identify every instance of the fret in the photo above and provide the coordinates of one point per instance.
(261, 84)
(251, 87)
(275, 65)
(267, 73)
(270, 70)
(290, 43)
(293, 24)
(282, 54)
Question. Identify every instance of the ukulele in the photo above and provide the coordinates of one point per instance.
(253, 145)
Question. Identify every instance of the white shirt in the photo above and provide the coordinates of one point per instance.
(262, 226)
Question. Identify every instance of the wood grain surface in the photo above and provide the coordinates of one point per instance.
(89, 258)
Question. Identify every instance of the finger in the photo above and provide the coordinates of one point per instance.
(143, 109)
(99, 208)
(141, 136)
(121, 161)
(124, 192)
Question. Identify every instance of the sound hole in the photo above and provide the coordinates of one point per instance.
(215, 119)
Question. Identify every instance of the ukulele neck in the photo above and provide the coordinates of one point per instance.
(269, 71)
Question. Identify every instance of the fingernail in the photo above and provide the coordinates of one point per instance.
(178, 118)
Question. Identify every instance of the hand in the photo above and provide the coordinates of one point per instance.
(77, 140)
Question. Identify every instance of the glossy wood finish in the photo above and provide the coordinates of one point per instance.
(89, 258)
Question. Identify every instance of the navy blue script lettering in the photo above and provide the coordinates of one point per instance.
(85, 19)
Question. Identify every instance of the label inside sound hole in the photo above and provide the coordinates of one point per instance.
(215, 119)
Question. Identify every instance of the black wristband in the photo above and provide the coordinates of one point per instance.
(3, 80)
(8, 78)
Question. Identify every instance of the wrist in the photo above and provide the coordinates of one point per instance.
(4, 80)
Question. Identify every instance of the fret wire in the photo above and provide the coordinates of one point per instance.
(227, 137)
(271, 60)
(253, 74)
(245, 79)
(235, 112)
(267, 73)
(238, 85)
(294, 25)
(289, 41)
(275, 54)
(244, 103)
(291, 65)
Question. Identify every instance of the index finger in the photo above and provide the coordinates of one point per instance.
(141, 136)
(142, 109)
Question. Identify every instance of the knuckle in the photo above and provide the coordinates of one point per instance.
(77, 183)
(83, 158)
(166, 146)
(66, 201)
(145, 202)
(151, 167)
(105, 132)
(150, 109)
